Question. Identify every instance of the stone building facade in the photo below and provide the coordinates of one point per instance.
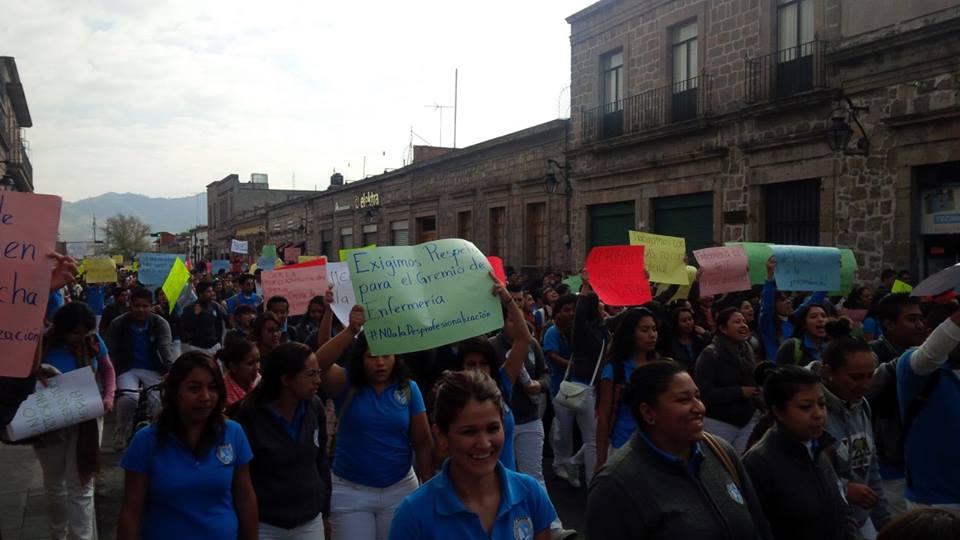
(825, 122)
(492, 193)
(16, 170)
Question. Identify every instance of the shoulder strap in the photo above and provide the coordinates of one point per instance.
(797, 351)
(723, 456)
(596, 368)
(919, 401)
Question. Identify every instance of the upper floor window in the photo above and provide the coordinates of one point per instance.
(685, 61)
(612, 65)
(794, 25)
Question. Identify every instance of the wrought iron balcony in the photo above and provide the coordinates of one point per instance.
(684, 100)
(786, 72)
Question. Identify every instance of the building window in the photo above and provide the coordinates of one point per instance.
(794, 27)
(465, 225)
(426, 229)
(326, 243)
(611, 65)
(370, 234)
(536, 241)
(400, 233)
(686, 67)
(346, 237)
(498, 231)
(792, 213)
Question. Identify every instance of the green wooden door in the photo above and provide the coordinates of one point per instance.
(610, 223)
(687, 216)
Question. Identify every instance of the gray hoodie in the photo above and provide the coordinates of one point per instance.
(855, 459)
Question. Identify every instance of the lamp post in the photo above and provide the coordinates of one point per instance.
(552, 184)
(839, 133)
(7, 183)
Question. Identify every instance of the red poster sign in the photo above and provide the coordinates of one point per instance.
(617, 275)
(498, 271)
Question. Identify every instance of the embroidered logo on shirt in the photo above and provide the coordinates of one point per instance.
(400, 397)
(225, 453)
(734, 493)
(522, 528)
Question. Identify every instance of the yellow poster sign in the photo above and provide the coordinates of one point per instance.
(100, 270)
(662, 256)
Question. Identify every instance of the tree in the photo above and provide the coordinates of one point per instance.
(125, 235)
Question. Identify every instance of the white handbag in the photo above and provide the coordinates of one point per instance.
(573, 395)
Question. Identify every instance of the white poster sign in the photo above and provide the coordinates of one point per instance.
(67, 400)
(238, 246)
(343, 295)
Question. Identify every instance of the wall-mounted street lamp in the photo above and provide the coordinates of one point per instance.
(839, 132)
(7, 183)
(552, 185)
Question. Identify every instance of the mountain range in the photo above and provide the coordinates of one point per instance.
(170, 215)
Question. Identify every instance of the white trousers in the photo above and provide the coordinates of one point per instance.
(736, 436)
(563, 434)
(69, 503)
(359, 512)
(311, 530)
(186, 347)
(894, 490)
(127, 402)
(528, 445)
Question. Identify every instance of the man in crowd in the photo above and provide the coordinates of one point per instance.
(120, 305)
(556, 347)
(280, 307)
(203, 321)
(246, 296)
(141, 348)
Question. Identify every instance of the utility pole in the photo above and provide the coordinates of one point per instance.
(94, 228)
(456, 73)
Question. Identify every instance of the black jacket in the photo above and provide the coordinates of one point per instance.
(589, 335)
(120, 342)
(722, 369)
(203, 330)
(640, 495)
(525, 408)
(678, 351)
(885, 404)
(291, 478)
(800, 494)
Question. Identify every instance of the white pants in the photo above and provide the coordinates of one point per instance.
(913, 506)
(186, 347)
(563, 434)
(528, 445)
(69, 503)
(311, 530)
(894, 490)
(359, 512)
(127, 402)
(736, 436)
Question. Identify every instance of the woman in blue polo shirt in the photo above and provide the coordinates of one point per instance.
(381, 429)
(188, 474)
(474, 497)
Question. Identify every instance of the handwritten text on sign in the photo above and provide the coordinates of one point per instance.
(662, 256)
(807, 268)
(67, 400)
(28, 231)
(617, 275)
(423, 296)
(724, 270)
(343, 298)
(154, 267)
(297, 285)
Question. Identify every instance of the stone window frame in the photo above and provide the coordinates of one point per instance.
(769, 25)
(488, 237)
(473, 223)
(527, 256)
(609, 48)
(671, 22)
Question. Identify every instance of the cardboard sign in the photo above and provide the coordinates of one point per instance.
(28, 231)
(67, 400)
(265, 263)
(617, 275)
(724, 270)
(100, 270)
(900, 287)
(307, 258)
(497, 264)
(345, 253)
(945, 280)
(424, 296)
(269, 251)
(848, 267)
(155, 267)
(662, 257)
(218, 265)
(343, 298)
(574, 282)
(291, 255)
(238, 246)
(79, 250)
(297, 285)
(176, 280)
(757, 256)
(807, 268)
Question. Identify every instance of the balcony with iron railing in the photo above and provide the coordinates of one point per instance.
(671, 104)
(18, 161)
(787, 72)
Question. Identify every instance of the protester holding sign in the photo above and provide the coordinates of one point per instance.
(319, 324)
(70, 457)
(777, 313)
(188, 474)
(724, 374)
(680, 340)
(809, 337)
(381, 429)
(858, 306)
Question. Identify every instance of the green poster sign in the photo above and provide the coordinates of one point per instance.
(848, 267)
(423, 296)
(757, 255)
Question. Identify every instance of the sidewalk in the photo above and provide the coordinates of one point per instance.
(22, 509)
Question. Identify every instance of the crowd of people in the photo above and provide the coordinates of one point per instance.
(763, 414)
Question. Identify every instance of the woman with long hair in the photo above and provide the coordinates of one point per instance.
(266, 332)
(672, 479)
(724, 374)
(188, 474)
(634, 344)
(858, 307)
(319, 324)
(681, 341)
(789, 466)
(749, 312)
(475, 495)
(381, 429)
(241, 364)
(70, 457)
(243, 318)
(809, 337)
(286, 425)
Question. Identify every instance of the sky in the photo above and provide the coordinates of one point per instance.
(163, 97)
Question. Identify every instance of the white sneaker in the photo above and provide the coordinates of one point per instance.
(573, 475)
(561, 472)
(119, 441)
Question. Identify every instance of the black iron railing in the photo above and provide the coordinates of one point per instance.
(684, 100)
(20, 158)
(786, 72)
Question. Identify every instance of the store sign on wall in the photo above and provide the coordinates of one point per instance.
(368, 198)
(941, 210)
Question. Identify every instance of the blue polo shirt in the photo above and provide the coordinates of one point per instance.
(140, 338)
(59, 357)
(187, 498)
(696, 455)
(373, 439)
(242, 299)
(292, 428)
(435, 511)
(554, 341)
(625, 424)
(95, 298)
(508, 457)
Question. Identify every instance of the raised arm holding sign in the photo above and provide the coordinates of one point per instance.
(807, 268)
